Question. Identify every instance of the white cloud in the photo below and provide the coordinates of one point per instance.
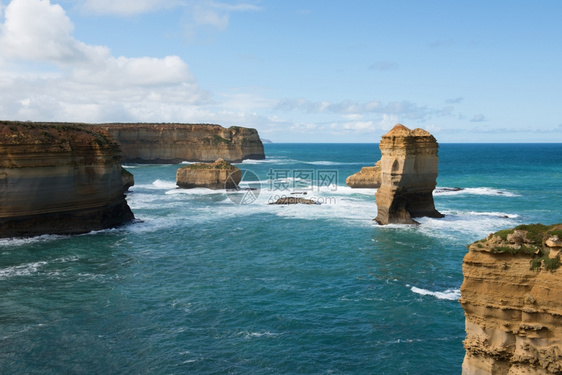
(40, 31)
(213, 14)
(478, 118)
(404, 109)
(87, 83)
(128, 7)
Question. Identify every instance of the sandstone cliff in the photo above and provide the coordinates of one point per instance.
(512, 298)
(217, 175)
(367, 177)
(58, 179)
(174, 143)
(409, 165)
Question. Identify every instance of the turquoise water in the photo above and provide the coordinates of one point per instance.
(207, 286)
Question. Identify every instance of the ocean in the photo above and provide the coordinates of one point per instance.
(207, 282)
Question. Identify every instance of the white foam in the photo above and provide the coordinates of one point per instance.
(21, 270)
(25, 241)
(449, 294)
(475, 191)
(156, 185)
(472, 224)
(327, 163)
(267, 161)
(250, 335)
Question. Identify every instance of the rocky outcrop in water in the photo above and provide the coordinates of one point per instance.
(174, 143)
(217, 175)
(58, 179)
(293, 200)
(409, 166)
(512, 299)
(367, 177)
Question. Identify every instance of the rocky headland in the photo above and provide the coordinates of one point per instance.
(367, 177)
(512, 299)
(59, 179)
(174, 143)
(218, 175)
(409, 165)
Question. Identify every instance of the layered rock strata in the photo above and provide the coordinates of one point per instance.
(409, 165)
(174, 143)
(367, 177)
(58, 179)
(217, 175)
(512, 299)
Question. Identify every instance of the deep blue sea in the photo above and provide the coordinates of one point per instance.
(216, 283)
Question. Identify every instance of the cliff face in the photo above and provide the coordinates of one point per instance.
(512, 298)
(58, 179)
(367, 177)
(408, 176)
(174, 143)
(216, 176)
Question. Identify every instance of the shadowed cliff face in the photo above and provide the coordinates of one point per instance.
(58, 179)
(408, 176)
(174, 143)
(512, 299)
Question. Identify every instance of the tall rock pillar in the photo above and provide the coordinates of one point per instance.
(409, 175)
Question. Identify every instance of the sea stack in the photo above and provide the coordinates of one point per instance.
(512, 300)
(367, 177)
(409, 166)
(218, 175)
(59, 179)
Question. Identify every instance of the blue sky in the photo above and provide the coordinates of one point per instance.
(298, 71)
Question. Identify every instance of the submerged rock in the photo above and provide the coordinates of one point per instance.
(294, 200)
(409, 172)
(218, 175)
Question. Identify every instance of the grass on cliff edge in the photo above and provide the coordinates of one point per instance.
(536, 234)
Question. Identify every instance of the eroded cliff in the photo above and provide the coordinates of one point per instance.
(174, 143)
(58, 179)
(367, 177)
(512, 298)
(216, 176)
(409, 166)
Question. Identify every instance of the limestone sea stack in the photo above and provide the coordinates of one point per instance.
(512, 300)
(217, 175)
(174, 143)
(409, 166)
(58, 179)
(367, 177)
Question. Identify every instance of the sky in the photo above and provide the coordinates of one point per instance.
(296, 70)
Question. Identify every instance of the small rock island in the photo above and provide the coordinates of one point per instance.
(367, 177)
(409, 166)
(218, 175)
(59, 179)
(512, 300)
